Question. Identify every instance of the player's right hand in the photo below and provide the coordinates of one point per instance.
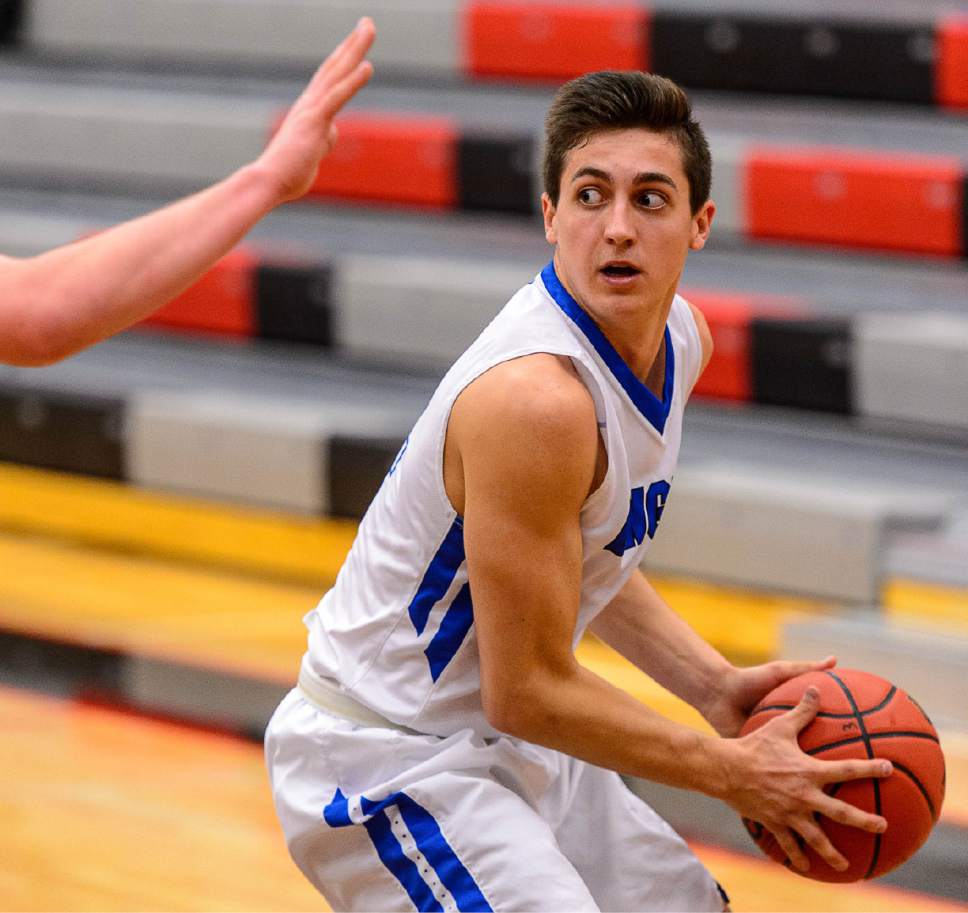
(772, 781)
(307, 133)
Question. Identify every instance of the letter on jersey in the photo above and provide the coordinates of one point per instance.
(645, 512)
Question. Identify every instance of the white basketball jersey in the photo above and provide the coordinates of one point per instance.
(396, 632)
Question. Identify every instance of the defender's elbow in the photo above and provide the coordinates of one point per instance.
(38, 336)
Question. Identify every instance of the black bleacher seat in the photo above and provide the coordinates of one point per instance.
(10, 17)
(849, 59)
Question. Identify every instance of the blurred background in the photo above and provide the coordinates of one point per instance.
(174, 500)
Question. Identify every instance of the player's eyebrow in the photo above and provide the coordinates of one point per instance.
(590, 171)
(655, 177)
(643, 177)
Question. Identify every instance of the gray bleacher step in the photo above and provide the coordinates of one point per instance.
(913, 366)
(115, 136)
(209, 697)
(111, 134)
(247, 448)
(812, 445)
(142, 363)
(26, 234)
(31, 221)
(816, 536)
(431, 309)
(781, 120)
(930, 663)
(277, 33)
(758, 437)
(938, 558)
(417, 35)
(228, 403)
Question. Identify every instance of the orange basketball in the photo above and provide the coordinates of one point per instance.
(863, 716)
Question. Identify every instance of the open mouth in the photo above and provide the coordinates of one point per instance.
(619, 271)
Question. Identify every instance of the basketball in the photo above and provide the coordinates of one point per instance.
(863, 716)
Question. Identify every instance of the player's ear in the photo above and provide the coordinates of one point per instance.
(702, 222)
(548, 211)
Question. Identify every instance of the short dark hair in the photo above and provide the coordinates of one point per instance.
(619, 100)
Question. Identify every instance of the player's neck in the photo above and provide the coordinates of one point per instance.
(636, 329)
(638, 335)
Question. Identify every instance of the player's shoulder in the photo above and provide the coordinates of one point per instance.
(526, 429)
(541, 392)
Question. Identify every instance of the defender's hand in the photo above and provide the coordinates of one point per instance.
(307, 133)
(775, 783)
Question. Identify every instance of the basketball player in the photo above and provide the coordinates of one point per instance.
(444, 749)
(53, 305)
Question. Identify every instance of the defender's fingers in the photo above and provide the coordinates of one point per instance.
(845, 813)
(836, 771)
(790, 846)
(349, 51)
(821, 845)
(345, 89)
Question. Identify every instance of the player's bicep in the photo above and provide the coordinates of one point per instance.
(527, 452)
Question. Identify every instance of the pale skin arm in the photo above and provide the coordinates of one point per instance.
(66, 299)
(520, 492)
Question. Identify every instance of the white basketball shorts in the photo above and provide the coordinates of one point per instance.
(379, 819)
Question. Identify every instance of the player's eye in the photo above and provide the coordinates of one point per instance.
(651, 199)
(590, 195)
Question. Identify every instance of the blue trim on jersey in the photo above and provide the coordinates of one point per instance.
(337, 813)
(437, 851)
(654, 411)
(451, 633)
(430, 840)
(438, 577)
(400, 865)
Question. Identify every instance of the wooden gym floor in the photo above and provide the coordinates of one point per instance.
(105, 810)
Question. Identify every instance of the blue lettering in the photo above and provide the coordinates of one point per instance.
(655, 502)
(645, 512)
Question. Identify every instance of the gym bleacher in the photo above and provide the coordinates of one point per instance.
(172, 501)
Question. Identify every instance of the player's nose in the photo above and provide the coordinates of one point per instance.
(619, 229)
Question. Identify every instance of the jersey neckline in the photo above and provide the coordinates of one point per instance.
(653, 410)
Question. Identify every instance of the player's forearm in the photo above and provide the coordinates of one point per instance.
(640, 625)
(582, 715)
(77, 295)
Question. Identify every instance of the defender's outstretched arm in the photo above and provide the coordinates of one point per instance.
(66, 299)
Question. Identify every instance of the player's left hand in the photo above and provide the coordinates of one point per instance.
(743, 688)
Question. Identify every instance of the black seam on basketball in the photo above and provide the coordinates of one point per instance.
(875, 854)
(827, 715)
(921, 709)
(914, 779)
(887, 700)
(872, 736)
(823, 713)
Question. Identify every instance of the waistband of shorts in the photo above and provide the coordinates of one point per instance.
(327, 696)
